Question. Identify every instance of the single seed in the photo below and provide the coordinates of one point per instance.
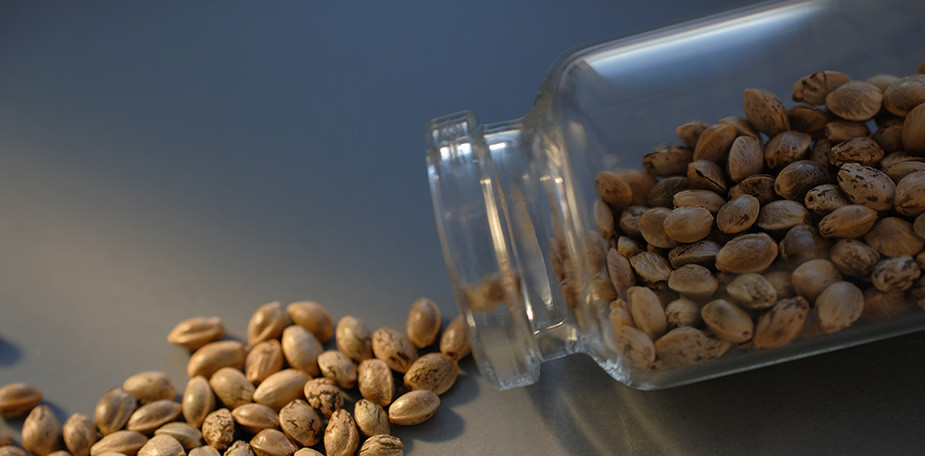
(41, 431)
(232, 387)
(113, 410)
(455, 339)
(838, 306)
(414, 407)
(382, 445)
(338, 368)
(301, 349)
(433, 371)
(371, 418)
(198, 401)
(281, 388)
(161, 445)
(18, 399)
(267, 322)
(314, 317)
(423, 322)
(255, 417)
(300, 422)
(150, 386)
(264, 359)
(216, 355)
(353, 338)
(375, 381)
(340, 436)
(272, 442)
(196, 332)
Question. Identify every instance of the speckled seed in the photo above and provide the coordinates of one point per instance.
(651, 268)
(861, 150)
(301, 349)
(195, 332)
(620, 272)
(281, 388)
(323, 395)
(124, 442)
(855, 100)
(866, 186)
(713, 142)
(455, 339)
(910, 194)
(893, 237)
(394, 348)
(239, 448)
(803, 243)
(150, 386)
(153, 415)
(684, 346)
(662, 193)
(338, 368)
(637, 347)
(314, 317)
(353, 338)
(706, 199)
(668, 160)
(693, 280)
(747, 253)
(18, 399)
(272, 442)
(375, 381)
(838, 306)
(204, 450)
(647, 311)
(216, 355)
(808, 119)
(904, 94)
(263, 360)
(218, 429)
(300, 422)
(113, 410)
(837, 131)
(681, 312)
(613, 189)
(895, 274)
(781, 323)
(811, 277)
(255, 417)
(423, 322)
(267, 322)
(853, 257)
(231, 387)
(760, 186)
(161, 445)
(707, 175)
(848, 222)
(752, 290)
(913, 130)
(825, 198)
(900, 170)
(603, 218)
(690, 132)
(188, 436)
(41, 431)
(765, 111)
(881, 306)
(382, 445)
(781, 215)
(371, 418)
(413, 407)
(785, 148)
(652, 227)
(701, 252)
(727, 321)
(688, 224)
(814, 88)
(434, 371)
(340, 436)
(746, 158)
(198, 400)
(799, 177)
(79, 433)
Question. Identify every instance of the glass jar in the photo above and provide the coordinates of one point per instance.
(542, 267)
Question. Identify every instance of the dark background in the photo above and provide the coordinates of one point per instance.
(164, 160)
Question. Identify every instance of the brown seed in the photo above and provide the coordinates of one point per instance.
(855, 100)
(18, 399)
(314, 317)
(848, 222)
(747, 253)
(198, 401)
(819, 154)
(340, 436)
(904, 94)
(620, 272)
(690, 132)
(375, 381)
(814, 88)
(760, 186)
(231, 387)
(5, 438)
(413, 407)
(338, 368)
(910, 194)
(786, 148)
(41, 431)
(799, 177)
(738, 215)
(813, 276)
(882, 80)
(371, 418)
(808, 119)
(216, 355)
(646, 309)
(685, 346)
(825, 198)
(893, 237)
(650, 268)
(781, 323)
(153, 415)
(680, 312)
(714, 142)
(913, 129)
(188, 436)
(267, 322)
(782, 283)
(613, 189)
(838, 306)
(161, 445)
(113, 410)
(218, 429)
(281, 388)
(765, 111)
(79, 433)
(239, 448)
(603, 218)
(301, 349)
(662, 193)
(918, 227)
(272, 442)
(637, 347)
(752, 290)
(880, 306)
(652, 227)
(803, 243)
(255, 417)
(687, 224)
(124, 442)
(668, 160)
(306, 452)
(10, 450)
(746, 158)
(150, 386)
(455, 339)
(743, 127)
(195, 332)
(382, 445)
(781, 215)
(895, 274)
(853, 257)
(693, 280)
(706, 199)
(264, 359)
(701, 252)
(434, 371)
(394, 348)
(324, 396)
(899, 171)
(706, 174)
(837, 131)
(640, 183)
(205, 450)
(423, 322)
(727, 321)
(865, 151)
(300, 422)
(889, 136)
(353, 338)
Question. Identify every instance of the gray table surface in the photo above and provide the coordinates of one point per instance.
(164, 160)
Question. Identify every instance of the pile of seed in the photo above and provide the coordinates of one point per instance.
(755, 231)
(283, 393)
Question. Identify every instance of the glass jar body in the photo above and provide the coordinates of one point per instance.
(546, 253)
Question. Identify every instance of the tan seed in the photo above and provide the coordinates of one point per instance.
(853, 257)
(867, 186)
(882, 80)
(652, 227)
(300, 422)
(394, 348)
(904, 94)
(455, 339)
(882, 306)
(760, 186)
(150, 386)
(782, 282)
(640, 182)
(765, 111)
(746, 158)
(693, 280)
(848, 222)
(340, 436)
(637, 347)
(862, 150)
(808, 119)
(272, 442)
(423, 322)
(314, 317)
(307, 452)
(785, 148)
(651, 268)
(910, 194)
(353, 338)
(153, 415)
(706, 199)
(782, 215)
(781, 323)
(371, 418)
(913, 130)
(837, 131)
(263, 360)
(685, 346)
(688, 224)
(714, 142)
(338, 368)
(825, 198)
(218, 429)
(895, 274)
(413, 407)
(231, 387)
(198, 400)
(702, 253)
(301, 349)
(838, 306)
(375, 381)
(613, 189)
(10, 450)
(747, 253)
(79, 433)
(647, 311)
(889, 136)
(214, 356)
(752, 290)
(18, 399)
(195, 332)
(161, 445)
(803, 243)
(894, 237)
(603, 218)
(188, 436)
(239, 448)
(281, 388)
(668, 160)
(814, 88)
(255, 417)
(690, 132)
(855, 100)
(382, 445)
(267, 322)
(113, 410)
(813, 276)
(620, 272)
(41, 431)
(434, 371)
(662, 193)
(799, 177)
(323, 395)
(707, 175)
(204, 450)
(124, 442)
(727, 321)
(681, 312)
